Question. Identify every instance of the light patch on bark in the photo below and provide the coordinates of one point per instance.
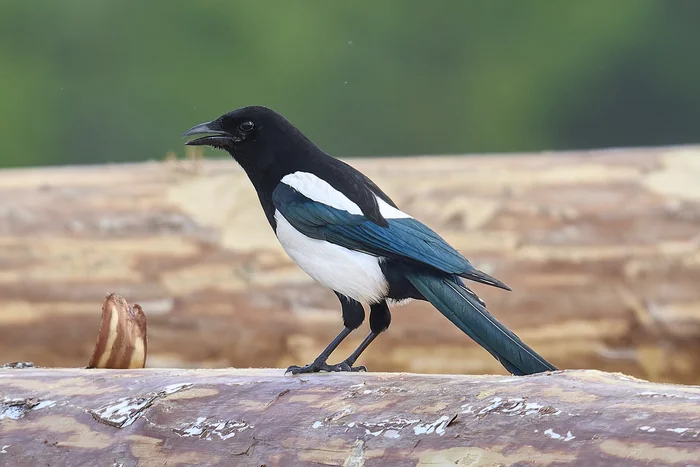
(357, 456)
(16, 408)
(516, 406)
(437, 426)
(390, 428)
(127, 410)
(203, 429)
(552, 434)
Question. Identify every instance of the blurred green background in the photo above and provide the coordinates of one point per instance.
(86, 81)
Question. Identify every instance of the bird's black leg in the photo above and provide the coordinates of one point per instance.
(379, 320)
(353, 316)
(319, 364)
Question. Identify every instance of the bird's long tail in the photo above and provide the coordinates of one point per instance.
(461, 306)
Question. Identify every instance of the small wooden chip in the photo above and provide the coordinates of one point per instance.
(122, 341)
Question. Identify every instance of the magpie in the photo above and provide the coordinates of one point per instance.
(341, 229)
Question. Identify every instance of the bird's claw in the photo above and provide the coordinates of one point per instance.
(345, 366)
(317, 367)
(314, 367)
(296, 369)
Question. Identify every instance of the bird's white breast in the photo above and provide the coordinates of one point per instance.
(351, 273)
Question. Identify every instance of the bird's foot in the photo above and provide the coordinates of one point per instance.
(315, 367)
(318, 366)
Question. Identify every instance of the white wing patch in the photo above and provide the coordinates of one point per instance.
(321, 191)
(390, 212)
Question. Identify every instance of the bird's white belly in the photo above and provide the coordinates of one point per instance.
(351, 273)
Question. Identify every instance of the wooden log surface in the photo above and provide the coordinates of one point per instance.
(156, 417)
(601, 249)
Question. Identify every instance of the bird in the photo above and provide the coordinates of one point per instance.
(347, 234)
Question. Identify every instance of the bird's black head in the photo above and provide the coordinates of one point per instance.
(258, 138)
(234, 129)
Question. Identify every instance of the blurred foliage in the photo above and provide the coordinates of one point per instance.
(99, 80)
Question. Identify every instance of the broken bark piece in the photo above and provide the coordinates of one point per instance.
(18, 365)
(249, 417)
(122, 340)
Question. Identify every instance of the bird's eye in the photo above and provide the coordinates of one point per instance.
(246, 126)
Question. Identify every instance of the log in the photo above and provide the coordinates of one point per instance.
(601, 249)
(156, 417)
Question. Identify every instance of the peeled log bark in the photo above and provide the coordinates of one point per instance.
(601, 249)
(260, 417)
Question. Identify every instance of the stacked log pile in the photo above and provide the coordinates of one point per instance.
(601, 250)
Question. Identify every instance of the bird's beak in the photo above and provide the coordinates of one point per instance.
(212, 135)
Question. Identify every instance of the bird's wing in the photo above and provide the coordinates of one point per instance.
(404, 238)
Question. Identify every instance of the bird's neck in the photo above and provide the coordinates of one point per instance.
(268, 166)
